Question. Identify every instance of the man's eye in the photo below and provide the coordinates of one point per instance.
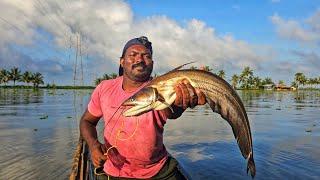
(147, 56)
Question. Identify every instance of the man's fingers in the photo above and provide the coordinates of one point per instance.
(103, 148)
(104, 157)
(193, 97)
(97, 156)
(96, 162)
(188, 96)
(201, 97)
(185, 95)
(178, 101)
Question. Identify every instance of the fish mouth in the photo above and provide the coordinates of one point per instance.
(137, 110)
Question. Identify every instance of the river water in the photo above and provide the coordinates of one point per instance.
(39, 133)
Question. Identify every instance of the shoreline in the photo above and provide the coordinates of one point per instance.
(45, 87)
(92, 87)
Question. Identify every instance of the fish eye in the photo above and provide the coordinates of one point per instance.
(131, 99)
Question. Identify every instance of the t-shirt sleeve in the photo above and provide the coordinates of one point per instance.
(162, 115)
(94, 106)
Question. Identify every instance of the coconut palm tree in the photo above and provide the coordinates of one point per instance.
(267, 80)
(105, 77)
(206, 68)
(97, 81)
(294, 84)
(246, 78)
(193, 67)
(300, 79)
(26, 77)
(37, 79)
(14, 75)
(312, 82)
(281, 82)
(235, 81)
(221, 74)
(113, 75)
(257, 83)
(4, 76)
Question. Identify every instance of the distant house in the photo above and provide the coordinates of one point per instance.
(280, 87)
(268, 86)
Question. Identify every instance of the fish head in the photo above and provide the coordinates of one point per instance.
(141, 102)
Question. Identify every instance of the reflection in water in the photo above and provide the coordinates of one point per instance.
(283, 148)
(35, 148)
(285, 128)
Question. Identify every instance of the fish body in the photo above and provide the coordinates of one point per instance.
(222, 98)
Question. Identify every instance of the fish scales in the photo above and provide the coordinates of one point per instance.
(221, 97)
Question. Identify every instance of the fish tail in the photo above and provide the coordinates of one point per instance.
(251, 165)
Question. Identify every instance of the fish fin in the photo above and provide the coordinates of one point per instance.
(251, 165)
(179, 67)
(162, 100)
(214, 106)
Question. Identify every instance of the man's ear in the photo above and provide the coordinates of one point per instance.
(121, 62)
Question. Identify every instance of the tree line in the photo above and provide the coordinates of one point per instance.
(247, 80)
(105, 77)
(15, 75)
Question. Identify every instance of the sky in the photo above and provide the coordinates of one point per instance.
(276, 38)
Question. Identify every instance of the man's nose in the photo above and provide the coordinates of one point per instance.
(139, 58)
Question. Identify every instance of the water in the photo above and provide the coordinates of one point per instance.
(39, 132)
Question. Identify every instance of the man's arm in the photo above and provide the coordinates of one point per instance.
(88, 131)
(187, 96)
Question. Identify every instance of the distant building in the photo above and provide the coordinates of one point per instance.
(280, 87)
(268, 86)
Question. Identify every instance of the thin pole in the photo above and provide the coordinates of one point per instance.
(76, 61)
(81, 60)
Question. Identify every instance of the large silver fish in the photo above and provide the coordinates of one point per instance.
(222, 98)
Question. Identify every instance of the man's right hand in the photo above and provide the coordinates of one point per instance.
(97, 154)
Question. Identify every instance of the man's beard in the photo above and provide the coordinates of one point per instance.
(142, 75)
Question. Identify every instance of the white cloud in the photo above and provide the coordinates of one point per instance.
(105, 27)
(314, 21)
(294, 30)
(305, 32)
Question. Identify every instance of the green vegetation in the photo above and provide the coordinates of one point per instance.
(105, 77)
(28, 78)
(247, 80)
(221, 74)
(15, 75)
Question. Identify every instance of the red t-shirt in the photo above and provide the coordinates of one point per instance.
(140, 141)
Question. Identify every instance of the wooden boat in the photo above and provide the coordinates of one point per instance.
(82, 167)
(80, 164)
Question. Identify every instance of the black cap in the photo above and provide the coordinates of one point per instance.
(143, 40)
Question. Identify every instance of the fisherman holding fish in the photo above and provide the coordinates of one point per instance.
(133, 146)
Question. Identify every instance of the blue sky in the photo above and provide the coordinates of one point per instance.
(276, 38)
(247, 20)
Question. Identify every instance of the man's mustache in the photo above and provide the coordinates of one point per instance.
(140, 64)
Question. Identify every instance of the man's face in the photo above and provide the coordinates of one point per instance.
(137, 63)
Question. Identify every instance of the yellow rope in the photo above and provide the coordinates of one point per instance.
(119, 138)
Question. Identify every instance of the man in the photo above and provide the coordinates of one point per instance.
(133, 145)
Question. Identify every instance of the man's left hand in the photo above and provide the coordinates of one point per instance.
(188, 96)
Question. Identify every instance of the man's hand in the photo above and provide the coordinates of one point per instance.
(97, 154)
(188, 96)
